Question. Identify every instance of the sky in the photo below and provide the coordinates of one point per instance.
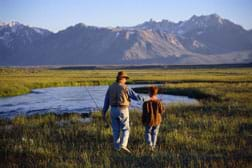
(57, 15)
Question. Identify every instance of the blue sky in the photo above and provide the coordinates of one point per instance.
(58, 14)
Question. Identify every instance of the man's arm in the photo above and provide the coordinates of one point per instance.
(133, 95)
(144, 113)
(106, 104)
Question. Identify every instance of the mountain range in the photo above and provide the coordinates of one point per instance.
(205, 39)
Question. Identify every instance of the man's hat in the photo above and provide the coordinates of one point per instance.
(122, 74)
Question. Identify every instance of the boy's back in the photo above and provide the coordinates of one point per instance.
(152, 110)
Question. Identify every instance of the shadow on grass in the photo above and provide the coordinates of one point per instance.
(21, 159)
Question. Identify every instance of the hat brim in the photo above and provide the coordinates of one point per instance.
(120, 77)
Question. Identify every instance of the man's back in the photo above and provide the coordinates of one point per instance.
(118, 95)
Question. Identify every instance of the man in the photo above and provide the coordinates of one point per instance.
(118, 97)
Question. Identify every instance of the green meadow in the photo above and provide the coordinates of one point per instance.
(215, 133)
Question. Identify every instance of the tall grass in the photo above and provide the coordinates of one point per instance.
(186, 139)
(215, 133)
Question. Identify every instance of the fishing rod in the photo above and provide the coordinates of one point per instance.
(107, 125)
(92, 98)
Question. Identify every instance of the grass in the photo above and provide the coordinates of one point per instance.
(16, 81)
(216, 133)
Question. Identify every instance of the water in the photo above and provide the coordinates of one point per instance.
(68, 99)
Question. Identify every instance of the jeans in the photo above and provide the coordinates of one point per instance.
(151, 133)
(120, 123)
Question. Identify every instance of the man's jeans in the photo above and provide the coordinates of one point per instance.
(120, 122)
(151, 133)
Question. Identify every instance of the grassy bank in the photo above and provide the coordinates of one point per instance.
(16, 81)
(21, 80)
(188, 138)
(216, 133)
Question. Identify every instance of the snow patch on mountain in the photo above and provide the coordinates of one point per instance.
(197, 44)
(117, 34)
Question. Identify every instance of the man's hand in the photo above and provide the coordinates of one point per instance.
(105, 120)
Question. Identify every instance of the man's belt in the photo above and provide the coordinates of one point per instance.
(120, 106)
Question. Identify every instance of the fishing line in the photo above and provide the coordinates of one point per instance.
(94, 101)
(107, 125)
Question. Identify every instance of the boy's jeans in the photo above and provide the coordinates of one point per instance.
(151, 133)
(120, 122)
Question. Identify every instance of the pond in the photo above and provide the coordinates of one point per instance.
(83, 99)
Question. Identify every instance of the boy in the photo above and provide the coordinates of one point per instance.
(151, 117)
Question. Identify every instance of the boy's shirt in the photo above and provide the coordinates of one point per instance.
(152, 110)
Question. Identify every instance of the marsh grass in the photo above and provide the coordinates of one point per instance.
(215, 133)
(186, 140)
(16, 81)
